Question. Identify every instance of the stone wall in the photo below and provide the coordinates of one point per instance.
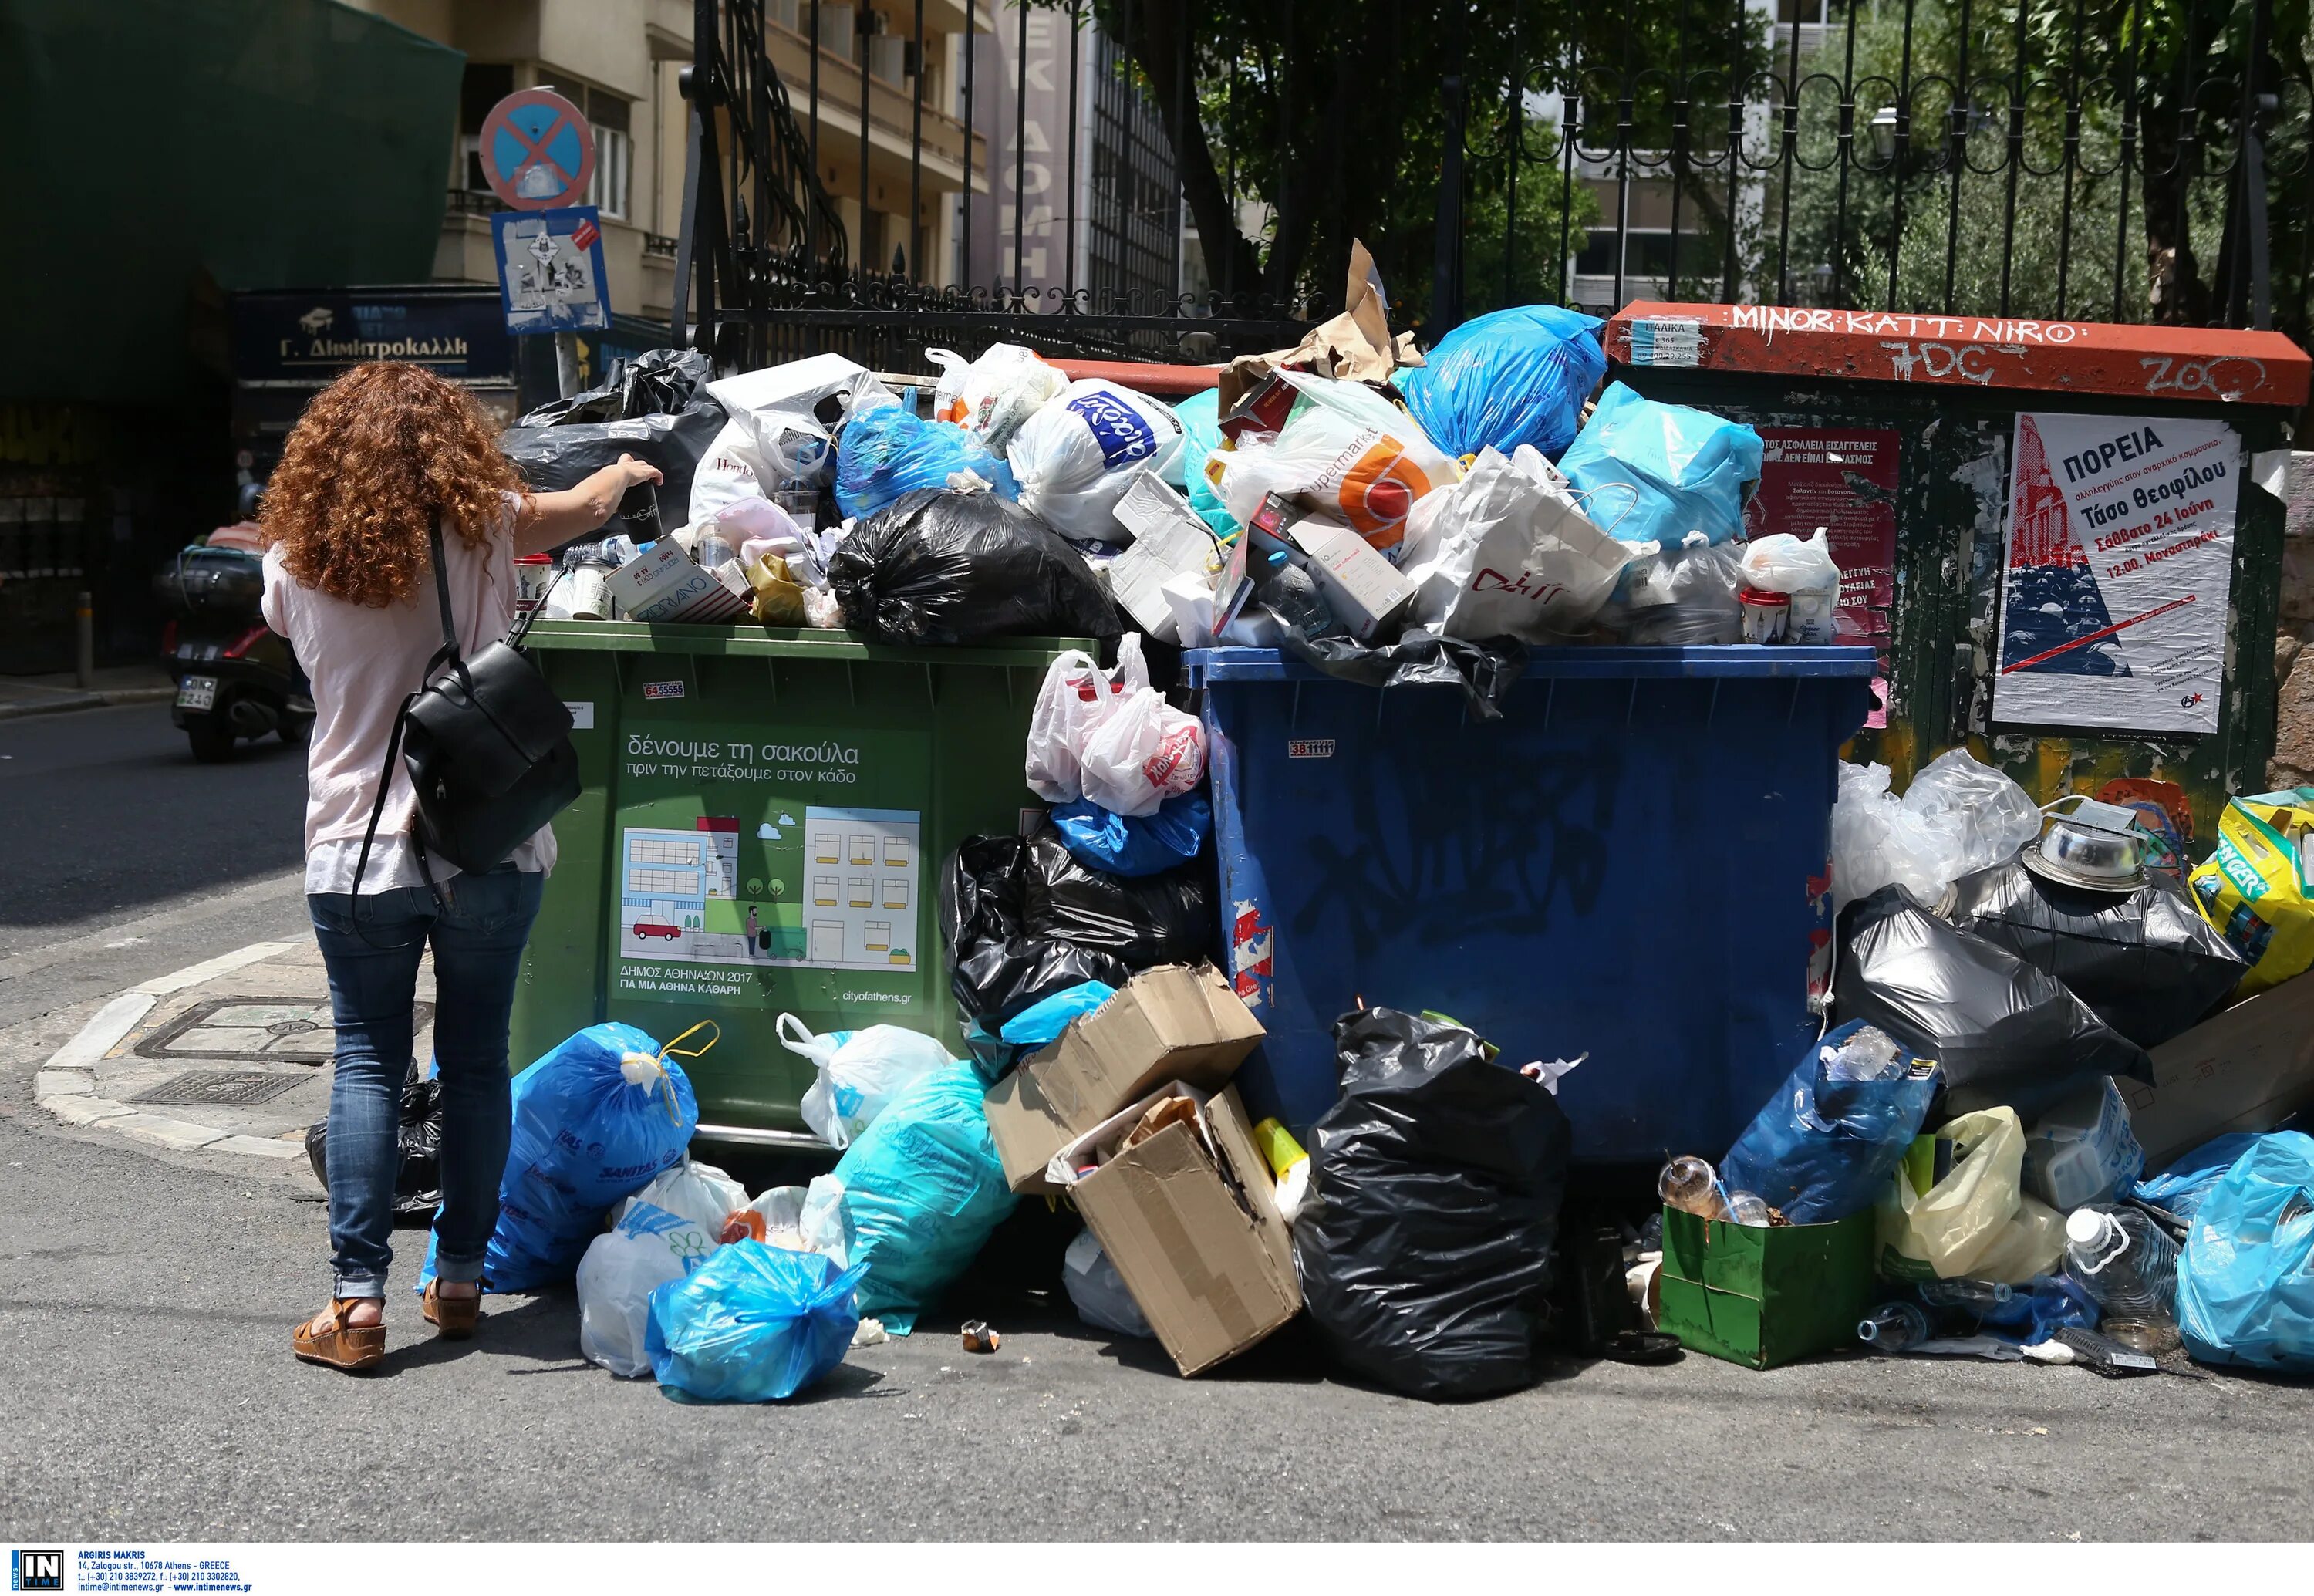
(2292, 765)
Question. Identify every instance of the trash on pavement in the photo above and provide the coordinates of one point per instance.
(888, 452)
(1825, 1145)
(2246, 1286)
(980, 1338)
(2004, 1033)
(923, 1191)
(1507, 552)
(956, 568)
(860, 1072)
(1186, 1215)
(1510, 379)
(2081, 1148)
(418, 1147)
(996, 968)
(1075, 456)
(1956, 1206)
(1097, 1292)
(1426, 1249)
(2128, 1263)
(1042, 1022)
(2178, 1187)
(1289, 1165)
(754, 1323)
(2248, 1069)
(1172, 1023)
(806, 1219)
(700, 1192)
(1762, 1295)
(1893, 1328)
(2255, 888)
(647, 1248)
(1653, 473)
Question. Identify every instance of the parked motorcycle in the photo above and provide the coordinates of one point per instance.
(236, 676)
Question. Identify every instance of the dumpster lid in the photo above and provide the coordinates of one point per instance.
(2183, 364)
(1603, 661)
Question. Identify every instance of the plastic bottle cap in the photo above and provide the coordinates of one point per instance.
(2086, 1226)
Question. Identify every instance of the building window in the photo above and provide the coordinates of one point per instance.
(612, 118)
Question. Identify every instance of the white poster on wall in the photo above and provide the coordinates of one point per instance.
(2119, 570)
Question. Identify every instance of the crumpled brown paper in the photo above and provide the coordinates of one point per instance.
(1355, 345)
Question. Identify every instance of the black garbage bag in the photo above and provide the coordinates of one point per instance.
(418, 1177)
(995, 968)
(945, 566)
(2004, 1032)
(1435, 1184)
(1143, 921)
(2145, 962)
(656, 408)
(1484, 671)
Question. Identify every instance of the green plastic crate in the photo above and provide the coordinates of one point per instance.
(764, 817)
(1761, 1296)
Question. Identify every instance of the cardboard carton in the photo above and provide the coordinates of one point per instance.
(664, 583)
(1762, 1297)
(2247, 1069)
(1189, 1218)
(1167, 1024)
(1168, 541)
(1363, 590)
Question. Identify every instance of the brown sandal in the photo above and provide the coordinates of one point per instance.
(327, 1339)
(453, 1318)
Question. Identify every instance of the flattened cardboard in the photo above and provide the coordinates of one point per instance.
(2248, 1069)
(1168, 541)
(1170, 1023)
(1193, 1229)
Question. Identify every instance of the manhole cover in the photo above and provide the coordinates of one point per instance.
(238, 1087)
(274, 1030)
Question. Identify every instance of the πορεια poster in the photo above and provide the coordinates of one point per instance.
(2119, 570)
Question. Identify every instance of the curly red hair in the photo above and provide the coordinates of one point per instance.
(378, 457)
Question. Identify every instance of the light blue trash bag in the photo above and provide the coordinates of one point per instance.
(888, 452)
(2190, 1177)
(1201, 435)
(754, 1323)
(1651, 471)
(2246, 1283)
(1510, 377)
(923, 1190)
(594, 1119)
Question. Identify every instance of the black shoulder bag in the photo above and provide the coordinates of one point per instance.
(488, 746)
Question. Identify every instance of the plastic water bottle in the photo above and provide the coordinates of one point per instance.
(1690, 1184)
(1974, 1295)
(2130, 1266)
(1893, 1326)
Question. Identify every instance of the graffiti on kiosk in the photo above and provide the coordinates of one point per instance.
(1998, 330)
(2166, 374)
(1941, 362)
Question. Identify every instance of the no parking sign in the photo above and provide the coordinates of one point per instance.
(537, 151)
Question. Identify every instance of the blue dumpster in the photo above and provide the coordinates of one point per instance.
(1630, 863)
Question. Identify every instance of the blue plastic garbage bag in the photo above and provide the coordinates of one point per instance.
(2039, 1309)
(1137, 845)
(923, 1190)
(1821, 1149)
(1201, 435)
(754, 1323)
(1511, 377)
(888, 452)
(1658, 471)
(2246, 1284)
(1042, 1021)
(2190, 1177)
(594, 1119)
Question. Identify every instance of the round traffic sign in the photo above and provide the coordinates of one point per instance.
(537, 151)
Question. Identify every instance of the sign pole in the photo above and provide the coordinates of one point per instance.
(566, 363)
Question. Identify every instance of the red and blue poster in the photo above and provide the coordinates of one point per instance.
(2119, 570)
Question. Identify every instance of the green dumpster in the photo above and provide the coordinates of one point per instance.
(2107, 646)
(764, 816)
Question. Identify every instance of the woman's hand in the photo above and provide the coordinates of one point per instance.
(549, 520)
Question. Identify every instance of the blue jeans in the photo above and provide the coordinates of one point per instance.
(478, 931)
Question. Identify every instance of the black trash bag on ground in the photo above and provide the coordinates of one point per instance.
(2145, 962)
(2004, 1032)
(418, 1177)
(1142, 921)
(995, 968)
(1424, 1248)
(943, 566)
(656, 408)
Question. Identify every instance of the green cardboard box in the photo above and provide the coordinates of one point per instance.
(1761, 1296)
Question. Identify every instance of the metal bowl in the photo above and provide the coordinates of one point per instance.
(2081, 856)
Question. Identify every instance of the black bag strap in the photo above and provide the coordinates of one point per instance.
(442, 595)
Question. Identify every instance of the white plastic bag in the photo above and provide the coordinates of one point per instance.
(1976, 1222)
(1143, 753)
(1958, 815)
(808, 1219)
(1077, 696)
(773, 438)
(1076, 455)
(991, 396)
(1509, 553)
(1991, 816)
(1099, 1292)
(860, 1071)
(1343, 451)
(648, 1247)
(700, 1192)
(1782, 563)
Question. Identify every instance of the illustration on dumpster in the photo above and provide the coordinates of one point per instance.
(2119, 570)
(1843, 480)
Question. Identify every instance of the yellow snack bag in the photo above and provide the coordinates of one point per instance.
(2253, 887)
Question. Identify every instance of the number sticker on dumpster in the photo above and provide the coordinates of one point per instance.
(1310, 748)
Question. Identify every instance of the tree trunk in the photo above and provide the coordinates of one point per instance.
(1158, 27)
(2175, 292)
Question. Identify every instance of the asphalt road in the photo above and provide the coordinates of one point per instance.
(149, 1393)
(121, 858)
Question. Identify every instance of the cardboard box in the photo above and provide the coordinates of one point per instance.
(664, 583)
(1363, 590)
(1168, 541)
(1763, 1296)
(1171, 1023)
(1189, 1218)
(2248, 1069)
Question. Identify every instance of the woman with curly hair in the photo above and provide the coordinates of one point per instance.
(380, 458)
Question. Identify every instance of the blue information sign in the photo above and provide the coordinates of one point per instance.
(551, 271)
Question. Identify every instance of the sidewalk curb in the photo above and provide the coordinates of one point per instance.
(89, 700)
(66, 1083)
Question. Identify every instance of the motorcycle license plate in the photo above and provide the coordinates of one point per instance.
(197, 692)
